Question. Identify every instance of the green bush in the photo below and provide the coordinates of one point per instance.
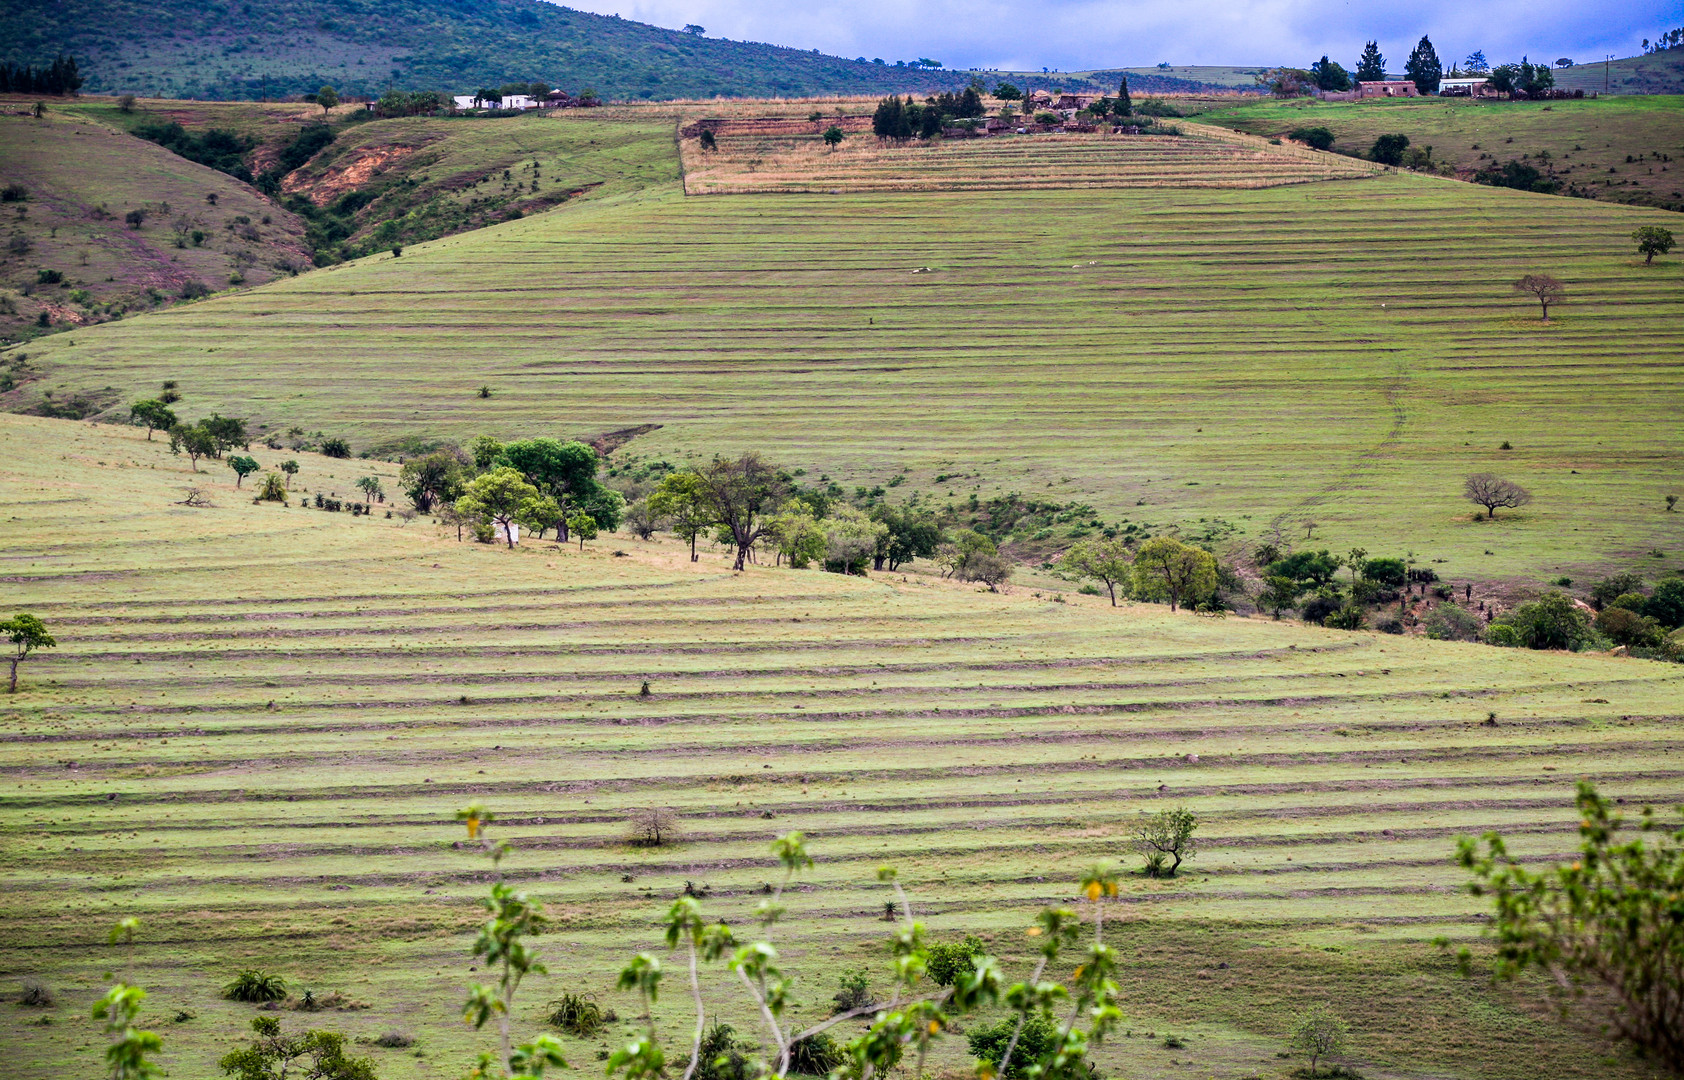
(1349, 617)
(1388, 149)
(951, 959)
(255, 986)
(1319, 137)
(336, 448)
(1448, 622)
(1666, 606)
(1623, 626)
(816, 1055)
(1038, 1037)
(1551, 622)
(579, 1014)
(855, 992)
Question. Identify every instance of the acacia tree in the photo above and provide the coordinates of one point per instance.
(680, 498)
(194, 440)
(1165, 567)
(1545, 289)
(1651, 240)
(1168, 834)
(26, 633)
(154, 414)
(1612, 920)
(738, 492)
(501, 496)
(1491, 491)
(1317, 1033)
(243, 467)
(437, 477)
(1108, 561)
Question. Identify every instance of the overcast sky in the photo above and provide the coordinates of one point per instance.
(1073, 35)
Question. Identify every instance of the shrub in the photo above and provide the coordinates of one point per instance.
(1611, 588)
(256, 986)
(1448, 622)
(194, 290)
(950, 959)
(1502, 635)
(336, 448)
(1551, 622)
(1348, 617)
(1625, 627)
(579, 1014)
(855, 992)
(1631, 601)
(722, 1057)
(274, 489)
(816, 1055)
(394, 1039)
(1319, 137)
(1318, 608)
(1390, 626)
(36, 995)
(1038, 1037)
(1666, 606)
(1388, 149)
(48, 277)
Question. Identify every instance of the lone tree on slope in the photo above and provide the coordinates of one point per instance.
(1652, 240)
(1491, 491)
(1166, 835)
(1545, 289)
(26, 633)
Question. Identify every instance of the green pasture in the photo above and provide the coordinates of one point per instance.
(1340, 353)
(1584, 144)
(259, 721)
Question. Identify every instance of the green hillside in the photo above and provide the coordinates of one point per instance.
(1343, 352)
(1652, 73)
(223, 50)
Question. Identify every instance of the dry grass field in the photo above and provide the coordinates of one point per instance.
(259, 721)
(753, 160)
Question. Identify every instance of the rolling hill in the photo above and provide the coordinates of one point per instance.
(173, 48)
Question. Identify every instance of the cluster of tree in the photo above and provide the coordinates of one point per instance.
(1631, 614)
(1667, 39)
(218, 148)
(412, 103)
(895, 119)
(1519, 175)
(58, 77)
(1522, 80)
(1423, 69)
(1162, 569)
(539, 484)
(1309, 580)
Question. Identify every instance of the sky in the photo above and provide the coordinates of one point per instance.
(1076, 35)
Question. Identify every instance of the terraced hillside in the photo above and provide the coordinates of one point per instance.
(1342, 353)
(259, 720)
(752, 159)
(1619, 149)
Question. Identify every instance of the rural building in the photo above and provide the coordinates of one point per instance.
(1075, 102)
(1475, 87)
(1388, 88)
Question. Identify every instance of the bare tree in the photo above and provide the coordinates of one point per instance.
(1491, 491)
(652, 827)
(1545, 289)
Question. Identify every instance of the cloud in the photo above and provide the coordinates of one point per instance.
(1075, 35)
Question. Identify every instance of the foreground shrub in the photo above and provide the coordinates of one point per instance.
(255, 986)
(319, 1055)
(1038, 1036)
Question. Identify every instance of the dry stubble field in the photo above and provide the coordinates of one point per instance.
(259, 721)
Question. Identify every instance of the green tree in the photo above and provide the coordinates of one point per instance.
(956, 555)
(1318, 1033)
(154, 414)
(1423, 67)
(851, 540)
(1331, 76)
(227, 431)
(1666, 604)
(194, 441)
(1309, 568)
(1165, 568)
(501, 496)
(1319, 138)
(243, 467)
(1008, 92)
(289, 467)
(680, 498)
(1611, 921)
(1279, 593)
(583, 525)
(738, 492)
(315, 1055)
(327, 97)
(1124, 105)
(913, 534)
(1651, 240)
(26, 633)
(371, 489)
(832, 136)
(1107, 561)
(1371, 66)
(1388, 149)
(437, 477)
(1166, 835)
(949, 961)
(484, 451)
(1552, 621)
(798, 535)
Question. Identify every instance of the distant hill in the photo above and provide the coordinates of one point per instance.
(226, 49)
(1653, 73)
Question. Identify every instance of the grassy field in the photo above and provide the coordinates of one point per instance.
(71, 221)
(751, 160)
(1341, 353)
(260, 719)
(1618, 149)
